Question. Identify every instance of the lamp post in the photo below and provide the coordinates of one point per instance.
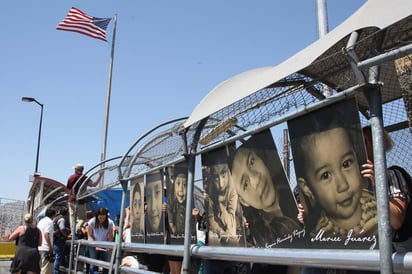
(30, 99)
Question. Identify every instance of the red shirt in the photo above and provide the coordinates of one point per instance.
(73, 191)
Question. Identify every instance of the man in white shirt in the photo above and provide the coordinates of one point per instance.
(46, 249)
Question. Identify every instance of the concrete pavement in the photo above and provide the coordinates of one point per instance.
(5, 265)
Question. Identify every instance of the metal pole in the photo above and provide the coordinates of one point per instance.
(36, 171)
(109, 87)
(188, 217)
(30, 99)
(121, 228)
(323, 29)
(322, 18)
(286, 153)
(373, 96)
(190, 155)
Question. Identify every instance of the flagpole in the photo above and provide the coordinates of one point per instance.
(109, 88)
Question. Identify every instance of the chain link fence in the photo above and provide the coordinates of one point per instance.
(11, 215)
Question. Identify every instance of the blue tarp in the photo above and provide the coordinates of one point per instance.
(110, 199)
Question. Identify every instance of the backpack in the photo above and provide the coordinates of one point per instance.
(405, 232)
(58, 236)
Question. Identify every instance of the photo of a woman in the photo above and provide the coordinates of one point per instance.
(137, 209)
(264, 192)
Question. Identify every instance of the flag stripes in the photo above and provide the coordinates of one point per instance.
(78, 21)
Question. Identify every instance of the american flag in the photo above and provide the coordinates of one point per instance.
(80, 22)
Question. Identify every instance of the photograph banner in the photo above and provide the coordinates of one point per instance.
(221, 200)
(137, 210)
(339, 204)
(176, 189)
(267, 200)
(155, 216)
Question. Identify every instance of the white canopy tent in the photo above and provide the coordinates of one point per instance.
(374, 15)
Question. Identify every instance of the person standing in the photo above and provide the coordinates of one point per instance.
(202, 229)
(400, 200)
(116, 228)
(27, 257)
(74, 189)
(100, 228)
(46, 249)
(60, 235)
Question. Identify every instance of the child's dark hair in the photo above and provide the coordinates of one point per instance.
(303, 129)
(179, 169)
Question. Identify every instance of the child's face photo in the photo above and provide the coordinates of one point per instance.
(154, 204)
(220, 177)
(252, 180)
(332, 173)
(137, 209)
(180, 185)
(328, 153)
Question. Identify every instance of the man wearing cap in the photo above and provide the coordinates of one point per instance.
(73, 188)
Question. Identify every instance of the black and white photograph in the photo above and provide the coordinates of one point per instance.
(155, 216)
(328, 153)
(268, 203)
(176, 189)
(223, 209)
(137, 210)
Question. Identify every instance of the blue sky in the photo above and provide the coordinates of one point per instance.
(168, 56)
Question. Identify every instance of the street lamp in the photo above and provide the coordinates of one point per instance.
(29, 99)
